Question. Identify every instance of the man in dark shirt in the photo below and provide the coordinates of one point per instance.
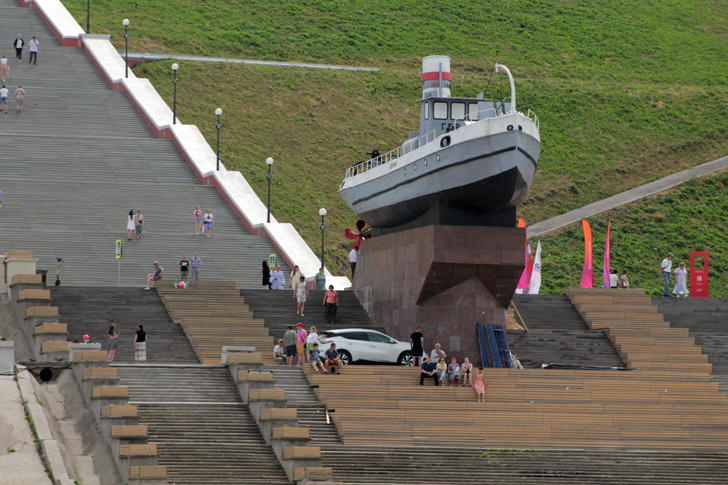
(428, 369)
(417, 345)
(333, 359)
(184, 267)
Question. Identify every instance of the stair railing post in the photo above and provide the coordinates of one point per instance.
(218, 113)
(175, 66)
(125, 22)
(269, 162)
(322, 213)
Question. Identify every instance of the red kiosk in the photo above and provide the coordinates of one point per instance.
(699, 274)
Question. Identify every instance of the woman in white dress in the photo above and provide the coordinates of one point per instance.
(300, 293)
(130, 225)
(681, 279)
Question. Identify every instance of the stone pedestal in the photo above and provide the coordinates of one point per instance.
(444, 278)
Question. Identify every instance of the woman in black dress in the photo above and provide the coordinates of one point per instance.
(265, 270)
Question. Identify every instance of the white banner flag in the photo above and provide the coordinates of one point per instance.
(536, 273)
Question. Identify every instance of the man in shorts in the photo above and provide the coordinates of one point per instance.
(4, 93)
(316, 360)
(301, 335)
(333, 360)
(289, 339)
(156, 276)
(417, 345)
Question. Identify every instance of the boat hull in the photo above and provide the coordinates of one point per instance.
(479, 176)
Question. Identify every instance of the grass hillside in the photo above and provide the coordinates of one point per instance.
(691, 217)
(626, 91)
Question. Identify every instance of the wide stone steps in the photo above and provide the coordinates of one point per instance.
(205, 435)
(558, 335)
(91, 310)
(278, 309)
(453, 465)
(159, 383)
(81, 157)
(705, 319)
(211, 445)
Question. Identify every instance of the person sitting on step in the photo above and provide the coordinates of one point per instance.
(466, 370)
(428, 370)
(453, 373)
(279, 352)
(156, 276)
(333, 360)
(441, 371)
(315, 360)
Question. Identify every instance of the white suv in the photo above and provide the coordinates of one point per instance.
(361, 344)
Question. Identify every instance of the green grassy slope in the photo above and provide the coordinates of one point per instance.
(627, 91)
(691, 217)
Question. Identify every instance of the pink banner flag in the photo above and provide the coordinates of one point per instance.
(605, 269)
(523, 282)
(587, 276)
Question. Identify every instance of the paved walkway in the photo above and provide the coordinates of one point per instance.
(153, 56)
(20, 462)
(626, 197)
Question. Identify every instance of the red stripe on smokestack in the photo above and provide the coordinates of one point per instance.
(426, 76)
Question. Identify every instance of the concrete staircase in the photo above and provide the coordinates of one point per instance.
(557, 334)
(203, 431)
(300, 395)
(214, 315)
(90, 310)
(80, 157)
(705, 319)
(278, 309)
(434, 465)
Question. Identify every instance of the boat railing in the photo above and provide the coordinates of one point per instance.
(534, 119)
(390, 156)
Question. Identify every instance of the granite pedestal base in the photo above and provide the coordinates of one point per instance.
(444, 278)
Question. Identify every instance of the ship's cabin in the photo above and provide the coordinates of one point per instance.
(444, 114)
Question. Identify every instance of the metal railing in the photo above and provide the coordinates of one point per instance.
(390, 156)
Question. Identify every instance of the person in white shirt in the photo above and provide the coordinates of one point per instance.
(279, 352)
(666, 267)
(33, 47)
(613, 279)
(437, 353)
(209, 222)
(4, 93)
(311, 339)
(353, 257)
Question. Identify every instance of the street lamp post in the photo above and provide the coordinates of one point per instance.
(126, 45)
(175, 66)
(218, 113)
(322, 213)
(88, 16)
(269, 161)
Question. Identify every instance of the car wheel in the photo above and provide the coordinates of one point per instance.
(345, 357)
(405, 358)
